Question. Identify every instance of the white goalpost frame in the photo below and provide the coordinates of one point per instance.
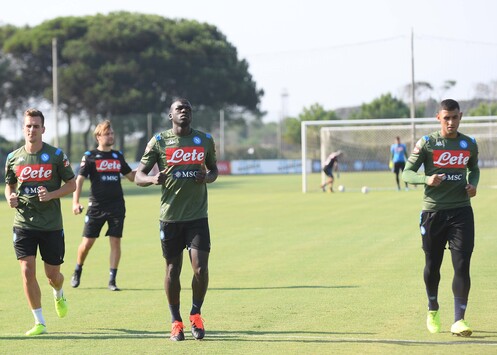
(363, 124)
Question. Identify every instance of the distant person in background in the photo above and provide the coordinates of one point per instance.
(33, 175)
(106, 204)
(450, 177)
(330, 165)
(398, 158)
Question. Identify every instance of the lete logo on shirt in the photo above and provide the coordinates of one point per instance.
(450, 158)
(185, 155)
(108, 165)
(35, 172)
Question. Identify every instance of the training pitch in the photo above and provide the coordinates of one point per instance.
(293, 273)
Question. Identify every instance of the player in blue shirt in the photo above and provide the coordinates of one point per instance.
(398, 156)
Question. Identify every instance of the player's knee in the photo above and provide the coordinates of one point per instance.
(201, 271)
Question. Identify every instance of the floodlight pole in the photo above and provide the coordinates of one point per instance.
(55, 90)
(221, 133)
(284, 96)
(413, 93)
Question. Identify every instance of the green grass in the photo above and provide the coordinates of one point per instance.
(290, 273)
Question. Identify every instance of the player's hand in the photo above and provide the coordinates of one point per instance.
(435, 179)
(201, 174)
(471, 190)
(13, 200)
(43, 194)
(160, 178)
(77, 208)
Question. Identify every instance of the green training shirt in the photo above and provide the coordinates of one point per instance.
(457, 158)
(181, 157)
(48, 168)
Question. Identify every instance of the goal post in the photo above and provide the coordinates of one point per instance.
(366, 142)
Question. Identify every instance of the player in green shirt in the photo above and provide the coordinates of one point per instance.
(33, 175)
(186, 159)
(451, 175)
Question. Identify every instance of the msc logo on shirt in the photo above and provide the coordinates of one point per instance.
(451, 158)
(110, 178)
(185, 174)
(185, 155)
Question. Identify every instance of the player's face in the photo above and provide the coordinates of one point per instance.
(181, 114)
(106, 139)
(33, 129)
(449, 122)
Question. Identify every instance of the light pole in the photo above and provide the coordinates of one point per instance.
(55, 90)
(284, 96)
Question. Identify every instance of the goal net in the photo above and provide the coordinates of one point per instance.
(366, 143)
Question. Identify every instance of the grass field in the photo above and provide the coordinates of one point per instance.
(290, 273)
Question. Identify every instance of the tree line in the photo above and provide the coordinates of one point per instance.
(122, 64)
(129, 67)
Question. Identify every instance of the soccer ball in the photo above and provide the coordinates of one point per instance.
(364, 189)
(341, 188)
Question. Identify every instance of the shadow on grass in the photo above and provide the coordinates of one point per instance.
(297, 336)
(131, 289)
(276, 287)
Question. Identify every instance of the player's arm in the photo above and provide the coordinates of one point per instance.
(207, 174)
(143, 179)
(68, 187)
(414, 162)
(77, 208)
(131, 175)
(11, 195)
(147, 162)
(473, 175)
(126, 170)
(208, 170)
(10, 184)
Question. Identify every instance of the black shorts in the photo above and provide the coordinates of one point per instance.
(95, 220)
(176, 236)
(455, 227)
(398, 167)
(51, 244)
(328, 170)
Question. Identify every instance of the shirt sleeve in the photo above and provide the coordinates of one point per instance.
(416, 159)
(473, 168)
(10, 176)
(125, 168)
(151, 154)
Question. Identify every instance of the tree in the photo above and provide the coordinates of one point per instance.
(125, 63)
(292, 126)
(386, 106)
(14, 93)
(484, 109)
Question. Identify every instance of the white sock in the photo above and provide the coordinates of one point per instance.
(38, 316)
(58, 293)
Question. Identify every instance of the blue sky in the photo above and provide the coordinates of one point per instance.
(335, 53)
